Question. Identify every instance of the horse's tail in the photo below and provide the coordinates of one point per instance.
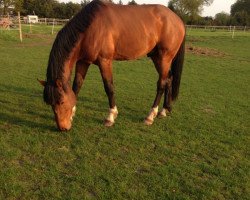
(176, 70)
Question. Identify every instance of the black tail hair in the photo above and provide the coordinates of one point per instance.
(176, 69)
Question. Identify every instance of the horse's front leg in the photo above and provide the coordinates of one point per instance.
(80, 74)
(107, 77)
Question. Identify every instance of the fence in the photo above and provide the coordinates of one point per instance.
(50, 21)
(230, 29)
(20, 23)
(224, 28)
(46, 21)
(17, 22)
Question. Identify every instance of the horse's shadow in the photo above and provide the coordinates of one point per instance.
(101, 107)
(8, 109)
(12, 120)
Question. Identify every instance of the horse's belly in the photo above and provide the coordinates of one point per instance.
(129, 49)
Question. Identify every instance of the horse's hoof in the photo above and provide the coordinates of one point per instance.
(108, 123)
(161, 115)
(148, 122)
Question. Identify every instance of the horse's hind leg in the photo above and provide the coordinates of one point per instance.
(167, 97)
(162, 64)
(107, 77)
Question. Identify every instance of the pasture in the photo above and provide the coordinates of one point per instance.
(199, 152)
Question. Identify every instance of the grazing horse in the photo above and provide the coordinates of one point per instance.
(102, 32)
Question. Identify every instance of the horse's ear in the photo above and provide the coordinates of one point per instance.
(43, 83)
(59, 83)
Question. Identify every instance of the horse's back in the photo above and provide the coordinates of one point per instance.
(132, 31)
(153, 17)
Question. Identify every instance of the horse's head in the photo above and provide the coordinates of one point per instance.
(63, 102)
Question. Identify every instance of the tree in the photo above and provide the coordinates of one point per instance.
(5, 5)
(241, 19)
(239, 6)
(48, 8)
(18, 6)
(188, 10)
(120, 2)
(222, 19)
(171, 6)
(240, 13)
(85, 2)
(206, 21)
(42, 8)
(132, 2)
(71, 9)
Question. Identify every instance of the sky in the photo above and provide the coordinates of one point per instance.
(216, 7)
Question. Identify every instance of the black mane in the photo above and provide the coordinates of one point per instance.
(63, 45)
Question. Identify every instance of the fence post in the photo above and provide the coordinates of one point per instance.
(53, 26)
(233, 33)
(8, 16)
(20, 27)
(30, 28)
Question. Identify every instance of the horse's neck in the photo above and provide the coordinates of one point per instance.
(71, 61)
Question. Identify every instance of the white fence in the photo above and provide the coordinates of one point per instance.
(17, 23)
(55, 21)
(223, 28)
(46, 21)
(51, 21)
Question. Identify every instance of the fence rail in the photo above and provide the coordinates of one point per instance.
(46, 21)
(50, 21)
(57, 21)
(225, 28)
(16, 23)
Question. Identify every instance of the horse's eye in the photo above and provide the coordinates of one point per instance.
(61, 103)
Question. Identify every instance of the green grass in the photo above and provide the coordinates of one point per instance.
(199, 152)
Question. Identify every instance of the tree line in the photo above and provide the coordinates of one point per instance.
(44, 8)
(188, 10)
(239, 15)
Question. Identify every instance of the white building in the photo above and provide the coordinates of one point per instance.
(32, 19)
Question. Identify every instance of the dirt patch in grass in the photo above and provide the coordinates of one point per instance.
(39, 36)
(195, 39)
(205, 51)
(42, 40)
(208, 110)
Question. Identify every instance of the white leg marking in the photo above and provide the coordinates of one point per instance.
(152, 114)
(163, 113)
(113, 112)
(73, 113)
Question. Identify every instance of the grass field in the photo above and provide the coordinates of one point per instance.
(199, 152)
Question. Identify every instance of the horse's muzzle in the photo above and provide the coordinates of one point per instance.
(64, 129)
(64, 126)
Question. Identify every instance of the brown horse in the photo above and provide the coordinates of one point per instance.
(102, 32)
